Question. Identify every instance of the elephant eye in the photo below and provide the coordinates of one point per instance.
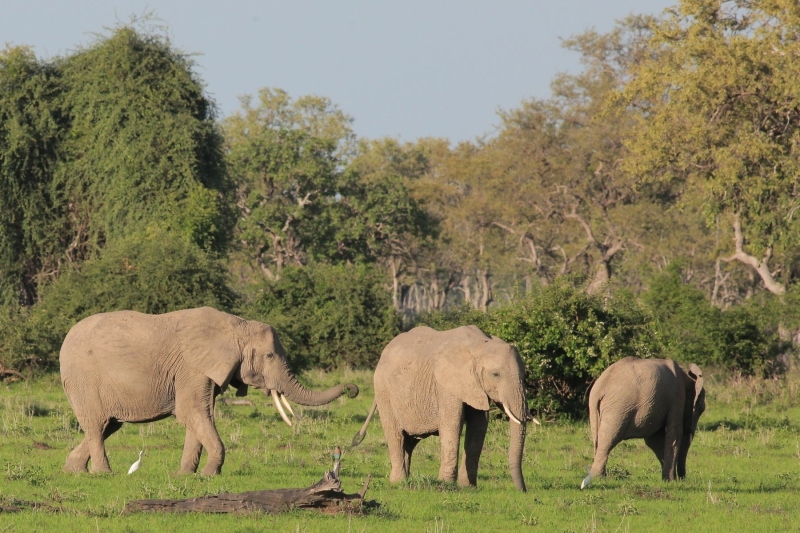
(270, 355)
(495, 374)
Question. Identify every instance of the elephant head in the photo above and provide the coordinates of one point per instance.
(253, 356)
(477, 371)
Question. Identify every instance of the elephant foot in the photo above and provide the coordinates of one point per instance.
(186, 472)
(210, 470)
(396, 477)
(103, 469)
(466, 483)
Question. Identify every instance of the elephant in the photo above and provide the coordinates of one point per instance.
(126, 366)
(430, 382)
(650, 399)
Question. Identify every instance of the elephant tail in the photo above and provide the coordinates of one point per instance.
(363, 431)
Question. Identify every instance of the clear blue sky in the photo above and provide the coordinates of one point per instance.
(405, 69)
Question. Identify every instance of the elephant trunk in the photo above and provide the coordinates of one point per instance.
(296, 392)
(517, 431)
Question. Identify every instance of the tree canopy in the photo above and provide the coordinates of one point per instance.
(648, 206)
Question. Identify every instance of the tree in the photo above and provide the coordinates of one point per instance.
(32, 127)
(719, 112)
(143, 145)
(565, 200)
(287, 159)
(116, 137)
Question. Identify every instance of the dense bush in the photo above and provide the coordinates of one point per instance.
(154, 272)
(566, 338)
(328, 315)
(743, 338)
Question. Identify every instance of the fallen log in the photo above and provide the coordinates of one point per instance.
(325, 495)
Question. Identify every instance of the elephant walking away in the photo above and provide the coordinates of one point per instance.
(132, 367)
(650, 399)
(429, 382)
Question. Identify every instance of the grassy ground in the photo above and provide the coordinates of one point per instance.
(743, 470)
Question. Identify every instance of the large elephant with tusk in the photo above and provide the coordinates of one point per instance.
(133, 367)
(431, 382)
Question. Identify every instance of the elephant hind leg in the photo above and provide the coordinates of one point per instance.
(656, 443)
(395, 441)
(95, 437)
(78, 458)
(607, 439)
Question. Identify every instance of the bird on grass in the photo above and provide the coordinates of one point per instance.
(337, 460)
(135, 466)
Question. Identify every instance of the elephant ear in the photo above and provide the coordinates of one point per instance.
(697, 375)
(208, 345)
(455, 372)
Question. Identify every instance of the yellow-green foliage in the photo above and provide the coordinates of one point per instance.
(742, 469)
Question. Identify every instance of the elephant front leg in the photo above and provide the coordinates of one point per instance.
(450, 423)
(206, 433)
(192, 448)
(477, 423)
(194, 409)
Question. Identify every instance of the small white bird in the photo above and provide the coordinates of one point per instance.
(135, 466)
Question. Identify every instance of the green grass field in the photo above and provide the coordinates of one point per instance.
(743, 470)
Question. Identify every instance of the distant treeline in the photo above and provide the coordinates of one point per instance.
(660, 187)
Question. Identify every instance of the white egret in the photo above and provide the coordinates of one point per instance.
(135, 466)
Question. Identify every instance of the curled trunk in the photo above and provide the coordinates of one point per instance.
(296, 392)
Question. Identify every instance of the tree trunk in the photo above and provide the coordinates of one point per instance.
(485, 283)
(761, 267)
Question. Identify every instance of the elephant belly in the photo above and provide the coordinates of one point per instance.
(136, 402)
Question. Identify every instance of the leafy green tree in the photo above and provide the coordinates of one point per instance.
(143, 145)
(106, 141)
(287, 157)
(718, 112)
(397, 229)
(32, 128)
(304, 196)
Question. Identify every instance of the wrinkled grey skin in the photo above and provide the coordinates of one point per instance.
(432, 383)
(132, 367)
(650, 399)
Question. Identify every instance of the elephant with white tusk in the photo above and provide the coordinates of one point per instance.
(431, 382)
(650, 399)
(132, 367)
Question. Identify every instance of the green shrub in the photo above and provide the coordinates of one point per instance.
(566, 339)
(154, 272)
(743, 338)
(328, 315)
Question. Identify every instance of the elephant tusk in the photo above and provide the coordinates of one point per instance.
(533, 418)
(512, 417)
(289, 407)
(280, 407)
